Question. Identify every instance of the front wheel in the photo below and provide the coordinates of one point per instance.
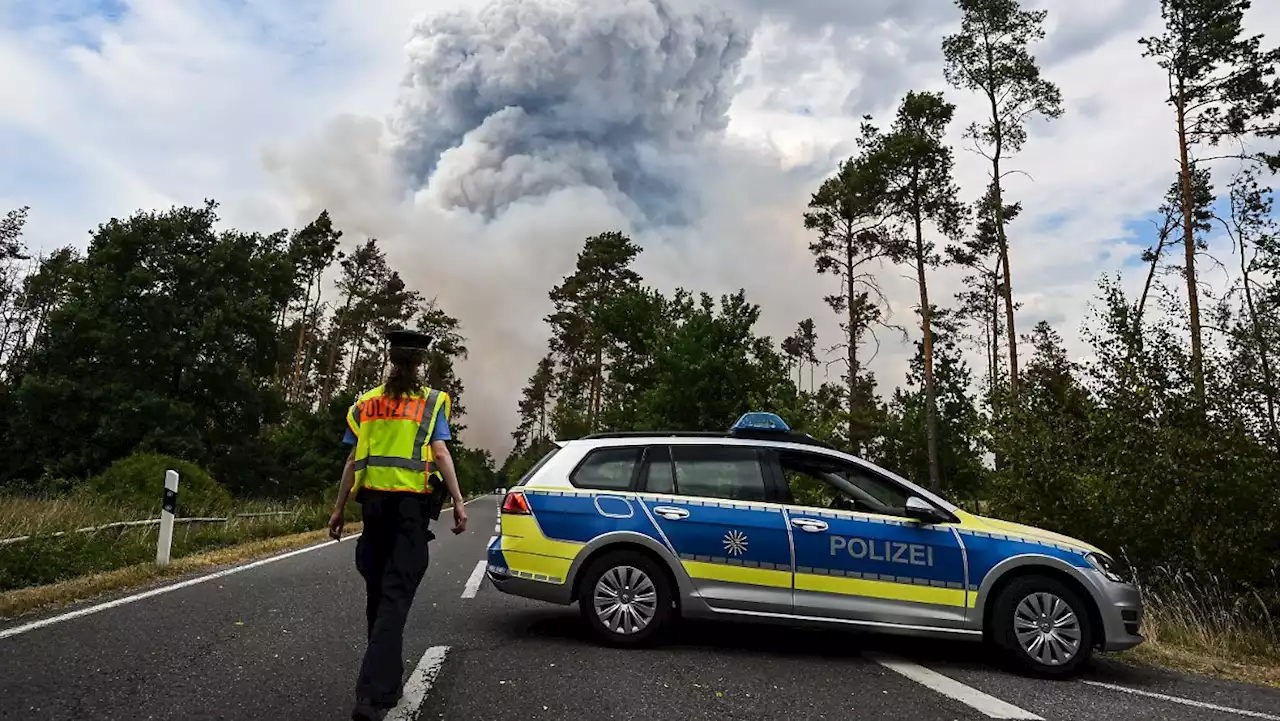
(626, 598)
(1043, 626)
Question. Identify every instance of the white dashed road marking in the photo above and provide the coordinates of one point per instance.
(991, 706)
(473, 583)
(1185, 701)
(418, 685)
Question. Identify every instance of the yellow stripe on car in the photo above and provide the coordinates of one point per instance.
(737, 574)
(880, 589)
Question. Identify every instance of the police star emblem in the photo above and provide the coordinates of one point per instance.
(735, 543)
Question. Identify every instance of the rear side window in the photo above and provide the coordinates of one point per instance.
(607, 469)
(728, 472)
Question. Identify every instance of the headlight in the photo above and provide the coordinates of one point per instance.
(1106, 566)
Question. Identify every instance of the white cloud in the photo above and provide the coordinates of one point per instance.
(278, 109)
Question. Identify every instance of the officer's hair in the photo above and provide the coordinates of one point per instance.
(403, 379)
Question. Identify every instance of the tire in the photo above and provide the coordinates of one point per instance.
(635, 576)
(1021, 605)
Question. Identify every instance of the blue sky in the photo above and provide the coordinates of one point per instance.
(277, 109)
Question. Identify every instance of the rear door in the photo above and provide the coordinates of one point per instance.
(859, 557)
(711, 503)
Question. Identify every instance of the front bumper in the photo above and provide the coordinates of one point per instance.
(1120, 606)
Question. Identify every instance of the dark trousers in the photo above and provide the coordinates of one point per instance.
(391, 555)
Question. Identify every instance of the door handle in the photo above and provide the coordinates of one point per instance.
(812, 525)
(671, 513)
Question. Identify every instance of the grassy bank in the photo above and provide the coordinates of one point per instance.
(1196, 624)
(25, 600)
(44, 558)
(47, 571)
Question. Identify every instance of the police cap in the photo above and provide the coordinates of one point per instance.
(409, 339)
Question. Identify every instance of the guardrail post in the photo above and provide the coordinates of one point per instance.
(168, 507)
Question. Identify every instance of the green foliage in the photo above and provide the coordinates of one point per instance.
(136, 482)
(173, 343)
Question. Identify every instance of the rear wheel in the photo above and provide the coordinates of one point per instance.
(1043, 626)
(626, 598)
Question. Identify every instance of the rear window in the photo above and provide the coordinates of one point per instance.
(541, 462)
(607, 469)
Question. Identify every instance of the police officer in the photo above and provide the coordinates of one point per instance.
(400, 469)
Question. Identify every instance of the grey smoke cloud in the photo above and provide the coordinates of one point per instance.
(521, 99)
(528, 125)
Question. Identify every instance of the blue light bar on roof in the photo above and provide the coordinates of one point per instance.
(757, 421)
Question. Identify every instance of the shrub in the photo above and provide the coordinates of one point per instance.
(137, 482)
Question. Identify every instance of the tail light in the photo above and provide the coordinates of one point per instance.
(515, 503)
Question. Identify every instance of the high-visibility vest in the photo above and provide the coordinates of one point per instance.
(393, 439)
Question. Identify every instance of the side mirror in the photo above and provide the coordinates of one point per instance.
(921, 510)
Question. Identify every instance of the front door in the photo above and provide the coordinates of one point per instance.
(732, 543)
(859, 558)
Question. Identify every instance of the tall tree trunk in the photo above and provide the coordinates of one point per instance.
(930, 393)
(998, 453)
(852, 333)
(1263, 348)
(1188, 231)
(993, 332)
(597, 391)
(330, 370)
(998, 192)
(302, 336)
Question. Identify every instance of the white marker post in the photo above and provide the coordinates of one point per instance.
(168, 507)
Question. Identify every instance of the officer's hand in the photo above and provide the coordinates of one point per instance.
(336, 522)
(459, 518)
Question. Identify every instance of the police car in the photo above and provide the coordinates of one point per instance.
(763, 524)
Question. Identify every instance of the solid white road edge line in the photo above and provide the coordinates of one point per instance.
(473, 583)
(991, 706)
(1184, 701)
(8, 632)
(419, 683)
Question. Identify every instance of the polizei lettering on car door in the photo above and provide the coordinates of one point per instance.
(912, 554)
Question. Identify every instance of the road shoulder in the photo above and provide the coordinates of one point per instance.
(24, 602)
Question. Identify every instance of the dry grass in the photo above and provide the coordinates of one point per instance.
(26, 600)
(25, 516)
(80, 566)
(47, 559)
(28, 516)
(1264, 672)
(1196, 624)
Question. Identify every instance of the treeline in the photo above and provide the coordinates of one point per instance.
(1163, 447)
(239, 352)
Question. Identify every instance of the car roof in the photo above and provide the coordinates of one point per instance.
(773, 439)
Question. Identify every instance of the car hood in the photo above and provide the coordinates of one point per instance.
(995, 525)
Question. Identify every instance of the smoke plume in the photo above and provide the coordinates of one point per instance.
(522, 99)
(523, 128)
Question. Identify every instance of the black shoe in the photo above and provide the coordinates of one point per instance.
(367, 710)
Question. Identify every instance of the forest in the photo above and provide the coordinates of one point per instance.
(1163, 448)
(225, 349)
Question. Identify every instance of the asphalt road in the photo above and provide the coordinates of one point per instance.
(282, 640)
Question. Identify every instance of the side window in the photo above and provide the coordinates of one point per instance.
(729, 472)
(823, 482)
(659, 476)
(607, 469)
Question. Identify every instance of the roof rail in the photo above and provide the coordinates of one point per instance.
(654, 434)
(802, 438)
